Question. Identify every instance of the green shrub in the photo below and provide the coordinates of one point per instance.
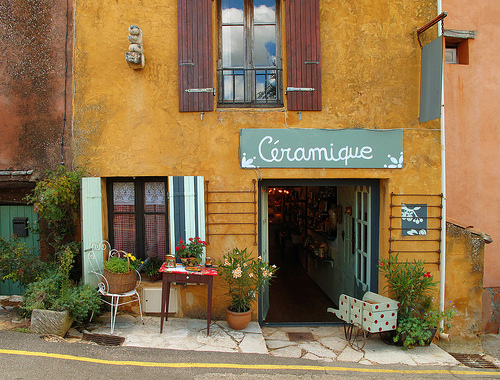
(18, 262)
(55, 290)
(411, 285)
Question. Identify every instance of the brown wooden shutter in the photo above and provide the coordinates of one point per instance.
(194, 18)
(303, 55)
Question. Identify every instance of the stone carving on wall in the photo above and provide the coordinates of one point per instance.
(135, 55)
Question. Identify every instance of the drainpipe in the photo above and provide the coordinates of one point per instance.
(442, 258)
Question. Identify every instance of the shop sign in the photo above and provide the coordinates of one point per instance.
(414, 219)
(321, 148)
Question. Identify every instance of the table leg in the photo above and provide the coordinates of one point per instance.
(165, 296)
(209, 304)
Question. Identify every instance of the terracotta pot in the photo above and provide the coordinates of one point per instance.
(238, 321)
(189, 261)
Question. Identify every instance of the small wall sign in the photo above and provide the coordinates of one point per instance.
(321, 148)
(414, 219)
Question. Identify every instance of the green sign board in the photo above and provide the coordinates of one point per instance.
(321, 148)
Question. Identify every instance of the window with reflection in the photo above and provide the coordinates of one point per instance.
(249, 62)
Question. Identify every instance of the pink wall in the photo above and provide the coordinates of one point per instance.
(34, 37)
(472, 122)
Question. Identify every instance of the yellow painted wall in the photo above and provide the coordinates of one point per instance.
(126, 122)
(464, 284)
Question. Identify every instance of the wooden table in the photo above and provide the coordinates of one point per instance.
(192, 278)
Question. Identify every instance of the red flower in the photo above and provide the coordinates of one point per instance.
(427, 275)
(183, 247)
(190, 239)
(381, 263)
(181, 242)
(177, 249)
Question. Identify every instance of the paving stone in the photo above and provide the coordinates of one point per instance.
(214, 349)
(326, 331)
(314, 357)
(274, 344)
(278, 335)
(350, 355)
(382, 353)
(318, 350)
(253, 343)
(266, 331)
(217, 337)
(365, 362)
(301, 329)
(287, 352)
(236, 335)
(431, 355)
(334, 343)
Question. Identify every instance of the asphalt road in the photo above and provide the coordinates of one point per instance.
(27, 356)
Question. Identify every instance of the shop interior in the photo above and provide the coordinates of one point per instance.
(311, 241)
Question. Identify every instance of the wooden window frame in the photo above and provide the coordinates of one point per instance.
(249, 67)
(139, 212)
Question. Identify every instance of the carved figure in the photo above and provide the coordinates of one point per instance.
(135, 55)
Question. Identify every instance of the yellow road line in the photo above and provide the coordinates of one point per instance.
(245, 366)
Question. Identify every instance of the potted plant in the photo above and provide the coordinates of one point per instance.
(244, 276)
(120, 272)
(151, 268)
(411, 285)
(190, 253)
(54, 301)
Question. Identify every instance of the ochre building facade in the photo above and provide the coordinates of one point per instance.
(291, 128)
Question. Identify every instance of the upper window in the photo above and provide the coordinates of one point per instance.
(457, 45)
(249, 64)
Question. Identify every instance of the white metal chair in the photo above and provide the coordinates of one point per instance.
(114, 302)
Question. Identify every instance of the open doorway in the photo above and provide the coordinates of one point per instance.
(323, 235)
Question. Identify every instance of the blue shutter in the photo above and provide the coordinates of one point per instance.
(431, 80)
(186, 209)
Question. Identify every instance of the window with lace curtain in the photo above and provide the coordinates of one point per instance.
(138, 216)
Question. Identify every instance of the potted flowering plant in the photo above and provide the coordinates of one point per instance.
(190, 253)
(151, 268)
(411, 285)
(120, 272)
(244, 276)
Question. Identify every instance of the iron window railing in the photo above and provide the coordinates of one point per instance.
(257, 86)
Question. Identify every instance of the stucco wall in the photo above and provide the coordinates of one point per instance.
(473, 126)
(464, 283)
(126, 122)
(33, 69)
